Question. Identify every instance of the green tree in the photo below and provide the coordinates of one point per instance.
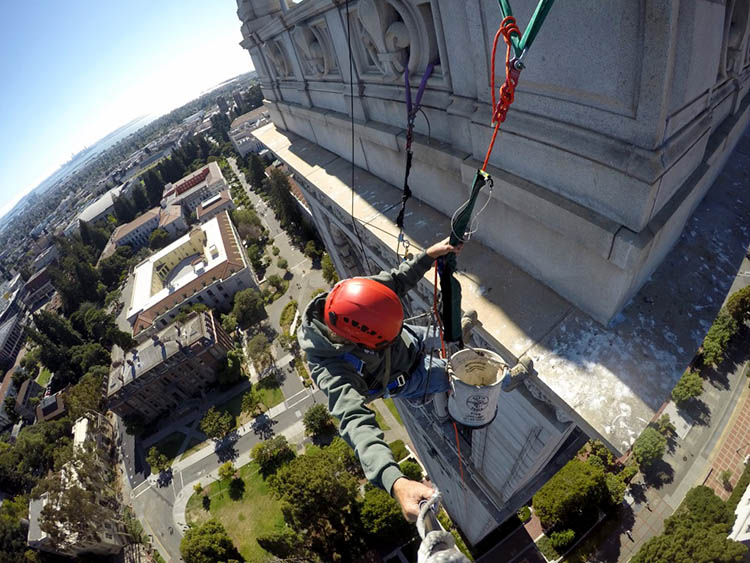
(690, 385)
(257, 171)
(314, 503)
(718, 337)
(318, 420)
(123, 209)
(86, 395)
(284, 543)
(227, 471)
(157, 460)
(411, 470)
(696, 532)
(259, 349)
(328, 269)
(215, 424)
(10, 408)
(271, 454)
(562, 539)
(251, 402)
(738, 304)
(158, 239)
(229, 323)
(248, 307)
(140, 199)
(231, 372)
(574, 494)
(311, 250)
(13, 531)
(381, 518)
(154, 186)
(649, 447)
(208, 543)
(88, 355)
(282, 263)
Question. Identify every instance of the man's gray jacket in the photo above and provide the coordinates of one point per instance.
(346, 389)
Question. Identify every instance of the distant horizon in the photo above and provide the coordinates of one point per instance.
(113, 67)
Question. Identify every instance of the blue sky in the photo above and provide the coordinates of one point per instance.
(74, 70)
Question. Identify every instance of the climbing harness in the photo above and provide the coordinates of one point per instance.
(411, 114)
(462, 224)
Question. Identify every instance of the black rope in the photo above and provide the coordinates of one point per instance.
(351, 111)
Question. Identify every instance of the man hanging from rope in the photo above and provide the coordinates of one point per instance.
(359, 349)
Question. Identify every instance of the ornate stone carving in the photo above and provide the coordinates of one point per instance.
(277, 58)
(392, 32)
(315, 49)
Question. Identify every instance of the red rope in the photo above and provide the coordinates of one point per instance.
(507, 90)
(458, 446)
(437, 314)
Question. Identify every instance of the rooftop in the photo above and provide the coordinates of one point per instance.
(99, 206)
(142, 219)
(128, 366)
(250, 116)
(207, 175)
(50, 407)
(611, 379)
(210, 251)
(212, 203)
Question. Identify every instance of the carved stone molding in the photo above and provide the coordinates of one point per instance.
(277, 59)
(389, 34)
(315, 50)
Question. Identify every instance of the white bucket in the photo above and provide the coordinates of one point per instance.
(475, 377)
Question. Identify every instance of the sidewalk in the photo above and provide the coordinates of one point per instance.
(732, 449)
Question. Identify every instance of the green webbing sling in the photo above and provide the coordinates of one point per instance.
(450, 286)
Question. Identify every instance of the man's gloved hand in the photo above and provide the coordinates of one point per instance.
(409, 494)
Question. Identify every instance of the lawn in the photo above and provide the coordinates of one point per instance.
(43, 377)
(379, 418)
(193, 446)
(256, 513)
(394, 411)
(170, 446)
(270, 391)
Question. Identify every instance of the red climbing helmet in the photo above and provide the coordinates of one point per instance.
(364, 311)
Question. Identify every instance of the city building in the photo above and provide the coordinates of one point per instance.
(240, 132)
(24, 406)
(11, 339)
(208, 265)
(168, 370)
(136, 233)
(12, 296)
(741, 529)
(39, 287)
(96, 213)
(596, 174)
(51, 408)
(107, 536)
(195, 187)
(214, 205)
(47, 257)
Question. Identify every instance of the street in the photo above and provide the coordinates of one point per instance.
(160, 506)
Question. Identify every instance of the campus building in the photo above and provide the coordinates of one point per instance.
(194, 188)
(136, 233)
(207, 265)
(214, 205)
(169, 369)
(109, 537)
(96, 212)
(605, 156)
(240, 132)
